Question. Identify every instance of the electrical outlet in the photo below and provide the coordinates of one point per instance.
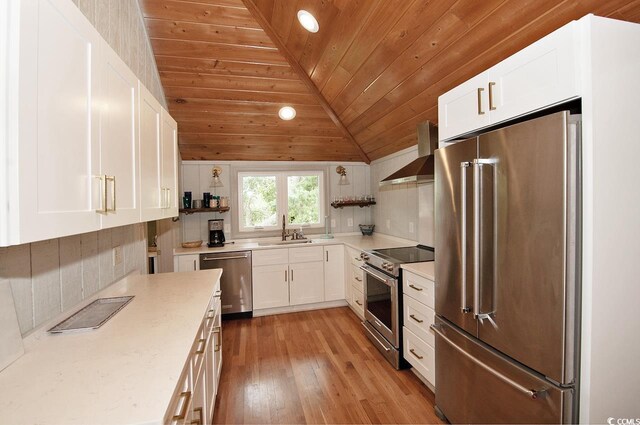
(349, 222)
(227, 229)
(411, 227)
(333, 222)
(388, 223)
(117, 255)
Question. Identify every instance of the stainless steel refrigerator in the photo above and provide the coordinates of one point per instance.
(507, 244)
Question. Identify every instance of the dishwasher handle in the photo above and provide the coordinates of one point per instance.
(232, 257)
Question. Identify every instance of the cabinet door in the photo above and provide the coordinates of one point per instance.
(58, 115)
(334, 287)
(270, 286)
(188, 263)
(169, 135)
(118, 195)
(151, 193)
(464, 108)
(543, 74)
(306, 282)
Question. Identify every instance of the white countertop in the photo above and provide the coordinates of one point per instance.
(356, 241)
(122, 373)
(426, 270)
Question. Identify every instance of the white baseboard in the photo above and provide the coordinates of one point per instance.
(296, 308)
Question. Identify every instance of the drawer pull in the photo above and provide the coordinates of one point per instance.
(418, 356)
(415, 318)
(183, 410)
(415, 287)
(218, 331)
(480, 111)
(359, 279)
(217, 294)
(201, 345)
(357, 258)
(491, 107)
(199, 420)
(359, 303)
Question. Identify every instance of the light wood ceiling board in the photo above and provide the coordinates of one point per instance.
(505, 21)
(234, 139)
(178, 30)
(299, 155)
(229, 82)
(266, 148)
(262, 120)
(281, 16)
(384, 15)
(197, 106)
(213, 66)
(203, 50)
(412, 24)
(445, 31)
(241, 96)
(348, 27)
(228, 3)
(303, 76)
(297, 34)
(208, 127)
(198, 13)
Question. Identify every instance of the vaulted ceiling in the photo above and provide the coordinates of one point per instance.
(360, 84)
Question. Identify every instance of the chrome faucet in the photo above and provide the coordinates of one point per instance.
(285, 232)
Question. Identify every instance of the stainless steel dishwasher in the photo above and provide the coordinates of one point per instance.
(235, 283)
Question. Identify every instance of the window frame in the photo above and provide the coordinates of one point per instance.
(282, 198)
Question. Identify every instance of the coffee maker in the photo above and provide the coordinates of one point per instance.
(216, 235)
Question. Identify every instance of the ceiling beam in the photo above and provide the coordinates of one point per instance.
(268, 29)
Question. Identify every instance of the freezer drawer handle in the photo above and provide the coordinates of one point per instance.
(534, 394)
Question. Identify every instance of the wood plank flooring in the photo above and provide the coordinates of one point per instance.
(313, 367)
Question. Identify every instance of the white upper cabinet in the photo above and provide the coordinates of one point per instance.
(169, 136)
(117, 193)
(57, 123)
(541, 75)
(152, 197)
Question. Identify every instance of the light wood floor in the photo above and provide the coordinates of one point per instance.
(313, 367)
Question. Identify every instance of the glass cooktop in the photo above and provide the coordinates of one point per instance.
(404, 255)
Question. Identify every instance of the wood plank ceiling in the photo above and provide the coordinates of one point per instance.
(362, 83)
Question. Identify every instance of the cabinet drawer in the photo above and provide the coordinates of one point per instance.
(418, 318)
(357, 278)
(418, 288)
(180, 405)
(420, 354)
(306, 254)
(354, 257)
(269, 257)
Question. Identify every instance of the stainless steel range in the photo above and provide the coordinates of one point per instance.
(383, 296)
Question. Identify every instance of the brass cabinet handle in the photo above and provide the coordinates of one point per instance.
(199, 420)
(491, 107)
(419, 357)
(217, 294)
(103, 195)
(202, 344)
(357, 258)
(359, 303)
(111, 179)
(415, 318)
(291, 275)
(286, 274)
(358, 279)
(217, 330)
(415, 287)
(183, 411)
(480, 111)
(211, 314)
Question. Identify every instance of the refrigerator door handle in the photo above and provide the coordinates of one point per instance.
(463, 234)
(533, 394)
(477, 167)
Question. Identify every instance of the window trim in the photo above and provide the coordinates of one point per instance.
(282, 198)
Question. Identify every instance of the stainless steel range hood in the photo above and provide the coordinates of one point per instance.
(421, 169)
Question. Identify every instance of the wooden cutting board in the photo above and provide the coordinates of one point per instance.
(10, 337)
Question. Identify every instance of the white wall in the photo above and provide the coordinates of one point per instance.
(404, 210)
(51, 276)
(196, 177)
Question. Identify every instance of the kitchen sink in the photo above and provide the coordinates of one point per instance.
(297, 242)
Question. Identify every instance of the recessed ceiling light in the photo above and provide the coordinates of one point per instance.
(308, 21)
(287, 113)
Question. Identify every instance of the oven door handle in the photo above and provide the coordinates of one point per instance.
(378, 276)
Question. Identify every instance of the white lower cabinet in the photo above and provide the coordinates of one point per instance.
(354, 281)
(288, 277)
(334, 279)
(418, 316)
(186, 263)
(194, 398)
